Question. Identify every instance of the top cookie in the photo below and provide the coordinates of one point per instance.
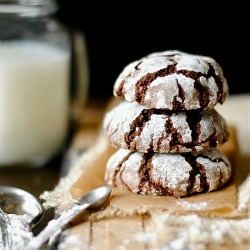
(173, 80)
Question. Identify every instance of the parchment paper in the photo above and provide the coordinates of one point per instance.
(222, 202)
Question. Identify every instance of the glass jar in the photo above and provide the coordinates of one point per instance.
(35, 64)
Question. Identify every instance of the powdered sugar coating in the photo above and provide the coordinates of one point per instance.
(137, 128)
(173, 80)
(168, 174)
(215, 170)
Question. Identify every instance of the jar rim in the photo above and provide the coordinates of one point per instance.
(28, 8)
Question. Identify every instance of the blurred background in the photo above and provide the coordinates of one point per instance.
(119, 34)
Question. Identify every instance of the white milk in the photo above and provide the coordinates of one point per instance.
(34, 101)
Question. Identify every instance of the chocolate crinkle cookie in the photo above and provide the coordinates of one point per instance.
(173, 80)
(137, 128)
(175, 175)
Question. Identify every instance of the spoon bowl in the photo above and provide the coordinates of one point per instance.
(18, 201)
(96, 197)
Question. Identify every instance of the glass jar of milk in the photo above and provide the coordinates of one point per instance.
(35, 62)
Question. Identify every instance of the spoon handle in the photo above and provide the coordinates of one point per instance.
(56, 225)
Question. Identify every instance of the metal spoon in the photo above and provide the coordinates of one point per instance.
(17, 201)
(91, 200)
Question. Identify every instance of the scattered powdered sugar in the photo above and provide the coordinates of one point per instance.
(73, 242)
(193, 233)
(19, 230)
(193, 206)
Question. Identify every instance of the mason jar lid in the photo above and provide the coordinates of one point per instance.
(28, 8)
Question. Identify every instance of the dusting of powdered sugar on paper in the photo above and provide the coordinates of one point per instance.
(19, 229)
(193, 206)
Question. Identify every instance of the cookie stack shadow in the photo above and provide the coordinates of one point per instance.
(166, 128)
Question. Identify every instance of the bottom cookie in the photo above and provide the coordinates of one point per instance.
(175, 175)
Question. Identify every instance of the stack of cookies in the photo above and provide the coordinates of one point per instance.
(166, 129)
